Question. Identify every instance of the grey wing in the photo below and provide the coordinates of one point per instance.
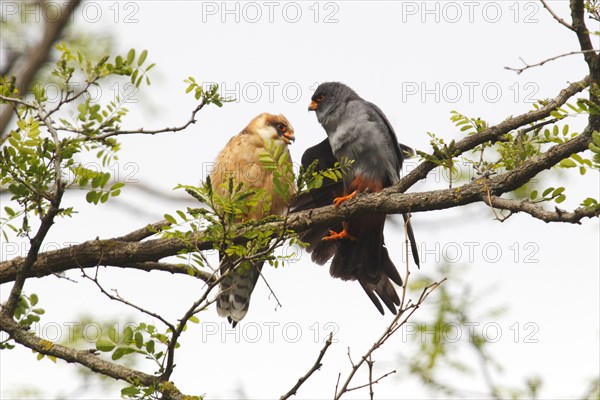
(386, 126)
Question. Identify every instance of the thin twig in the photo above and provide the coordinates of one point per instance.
(317, 365)
(489, 197)
(539, 64)
(120, 299)
(370, 364)
(400, 319)
(556, 17)
(278, 305)
(371, 382)
(192, 120)
(18, 101)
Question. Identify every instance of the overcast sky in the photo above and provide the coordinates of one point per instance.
(417, 61)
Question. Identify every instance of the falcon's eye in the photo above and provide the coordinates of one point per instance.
(282, 128)
(320, 98)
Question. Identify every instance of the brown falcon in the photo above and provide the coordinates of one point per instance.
(240, 160)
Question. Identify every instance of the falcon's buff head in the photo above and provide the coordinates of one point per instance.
(330, 96)
(272, 127)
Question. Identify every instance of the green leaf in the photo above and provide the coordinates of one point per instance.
(104, 344)
(567, 163)
(139, 340)
(150, 346)
(130, 391)
(533, 195)
(194, 319)
(128, 335)
(130, 56)
(142, 57)
(547, 191)
(560, 198)
(121, 351)
(113, 335)
(33, 299)
(170, 219)
(91, 196)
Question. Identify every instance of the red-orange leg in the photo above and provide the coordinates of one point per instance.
(339, 200)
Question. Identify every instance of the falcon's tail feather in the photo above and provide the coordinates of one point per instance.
(235, 290)
(367, 260)
(411, 237)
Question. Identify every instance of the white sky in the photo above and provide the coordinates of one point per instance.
(417, 61)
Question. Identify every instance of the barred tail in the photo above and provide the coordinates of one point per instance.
(235, 290)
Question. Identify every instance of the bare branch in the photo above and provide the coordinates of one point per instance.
(371, 382)
(515, 206)
(539, 64)
(192, 120)
(399, 320)
(120, 299)
(317, 365)
(555, 16)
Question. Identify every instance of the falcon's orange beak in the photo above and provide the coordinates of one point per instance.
(288, 137)
(313, 106)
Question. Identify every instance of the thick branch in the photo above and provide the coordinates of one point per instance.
(389, 201)
(87, 358)
(83, 357)
(583, 35)
(495, 132)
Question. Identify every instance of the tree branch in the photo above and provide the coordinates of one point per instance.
(515, 206)
(400, 319)
(87, 358)
(556, 17)
(192, 120)
(37, 56)
(583, 35)
(371, 382)
(391, 200)
(495, 132)
(539, 64)
(317, 365)
(47, 221)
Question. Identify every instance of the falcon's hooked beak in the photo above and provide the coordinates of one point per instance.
(288, 137)
(313, 106)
